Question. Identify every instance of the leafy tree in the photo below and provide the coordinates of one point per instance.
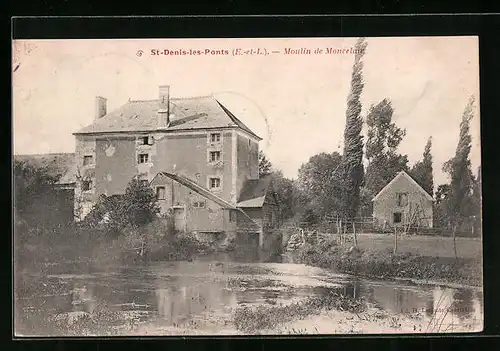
(442, 193)
(136, 208)
(384, 137)
(265, 166)
(440, 212)
(422, 170)
(384, 161)
(320, 181)
(30, 182)
(36, 202)
(476, 199)
(459, 200)
(309, 216)
(285, 191)
(138, 204)
(107, 213)
(352, 163)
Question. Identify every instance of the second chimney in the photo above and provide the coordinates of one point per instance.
(100, 107)
(164, 106)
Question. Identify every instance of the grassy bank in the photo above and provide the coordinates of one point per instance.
(423, 245)
(254, 320)
(384, 264)
(100, 248)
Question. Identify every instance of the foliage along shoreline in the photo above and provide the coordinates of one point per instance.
(374, 264)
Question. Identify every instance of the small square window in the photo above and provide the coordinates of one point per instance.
(199, 204)
(214, 156)
(160, 193)
(214, 183)
(143, 158)
(214, 137)
(145, 140)
(86, 185)
(144, 182)
(397, 217)
(87, 160)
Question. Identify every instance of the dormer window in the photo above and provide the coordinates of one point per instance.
(215, 137)
(146, 140)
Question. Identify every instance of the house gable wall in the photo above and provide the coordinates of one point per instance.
(386, 204)
(208, 218)
(115, 161)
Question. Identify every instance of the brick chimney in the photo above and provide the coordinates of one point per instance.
(100, 107)
(163, 106)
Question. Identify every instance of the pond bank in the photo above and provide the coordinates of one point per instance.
(386, 265)
(372, 321)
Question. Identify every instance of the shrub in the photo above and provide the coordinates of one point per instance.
(265, 317)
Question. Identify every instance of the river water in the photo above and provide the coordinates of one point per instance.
(201, 297)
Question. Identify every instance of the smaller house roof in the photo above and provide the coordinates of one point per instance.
(407, 176)
(202, 191)
(70, 176)
(254, 192)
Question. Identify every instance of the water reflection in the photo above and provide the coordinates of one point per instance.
(183, 299)
(182, 292)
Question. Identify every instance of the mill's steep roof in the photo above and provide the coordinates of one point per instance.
(203, 112)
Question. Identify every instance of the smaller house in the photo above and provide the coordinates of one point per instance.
(194, 208)
(403, 203)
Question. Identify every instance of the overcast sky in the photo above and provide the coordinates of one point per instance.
(296, 103)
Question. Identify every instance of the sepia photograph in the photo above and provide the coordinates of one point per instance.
(246, 186)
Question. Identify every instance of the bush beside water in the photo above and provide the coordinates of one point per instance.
(386, 265)
(252, 320)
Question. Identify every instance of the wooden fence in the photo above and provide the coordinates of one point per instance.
(333, 225)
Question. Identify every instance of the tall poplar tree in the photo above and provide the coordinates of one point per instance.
(384, 160)
(422, 170)
(459, 199)
(352, 158)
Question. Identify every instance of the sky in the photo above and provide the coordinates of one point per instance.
(295, 102)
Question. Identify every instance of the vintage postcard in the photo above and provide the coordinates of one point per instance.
(247, 186)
